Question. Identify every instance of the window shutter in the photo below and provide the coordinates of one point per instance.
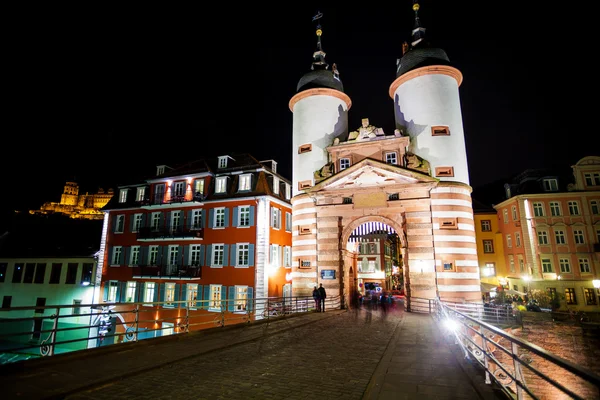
(188, 256)
(199, 297)
(206, 297)
(138, 292)
(114, 223)
(226, 217)
(183, 296)
(250, 298)
(209, 255)
(204, 221)
(156, 292)
(162, 293)
(105, 297)
(252, 215)
(143, 222)
(163, 253)
(176, 295)
(144, 255)
(112, 256)
(180, 255)
(223, 298)
(234, 260)
(231, 298)
(202, 255)
(225, 255)
(211, 217)
(131, 221)
(124, 260)
(251, 255)
(123, 291)
(161, 222)
(168, 226)
(234, 222)
(188, 222)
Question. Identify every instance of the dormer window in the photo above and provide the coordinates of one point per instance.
(288, 191)
(160, 169)
(141, 193)
(550, 185)
(592, 179)
(440, 131)
(223, 161)
(275, 185)
(221, 184)
(123, 196)
(344, 163)
(245, 182)
(391, 158)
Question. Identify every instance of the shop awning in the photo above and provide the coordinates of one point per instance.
(488, 287)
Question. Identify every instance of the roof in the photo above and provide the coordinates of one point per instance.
(319, 79)
(421, 57)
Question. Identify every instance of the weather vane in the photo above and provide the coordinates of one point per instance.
(317, 18)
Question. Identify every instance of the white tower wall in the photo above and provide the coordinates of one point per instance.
(317, 120)
(433, 100)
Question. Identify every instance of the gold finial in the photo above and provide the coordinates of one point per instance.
(416, 7)
(319, 32)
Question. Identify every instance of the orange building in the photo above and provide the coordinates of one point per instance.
(205, 233)
(551, 229)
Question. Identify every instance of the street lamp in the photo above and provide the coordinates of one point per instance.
(527, 279)
(596, 283)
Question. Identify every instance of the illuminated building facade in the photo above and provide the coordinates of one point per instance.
(207, 231)
(77, 206)
(550, 223)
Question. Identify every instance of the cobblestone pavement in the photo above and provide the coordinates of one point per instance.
(334, 358)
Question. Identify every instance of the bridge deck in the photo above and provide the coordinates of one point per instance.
(338, 354)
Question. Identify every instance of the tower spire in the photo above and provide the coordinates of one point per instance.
(418, 32)
(319, 55)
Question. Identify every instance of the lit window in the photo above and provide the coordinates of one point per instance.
(112, 291)
(141, 193)
(215, 298)
(241, 298)
(123, 196)
(134, 258)
(130, 293)
(486, 225)
(243, 255)
(489, 269)
(192, 294)
(223, 162)
(245, 181)
(488, 246)
(546, 265)
(219, 221)
(221, 186)
(199, 187)
(149, 291)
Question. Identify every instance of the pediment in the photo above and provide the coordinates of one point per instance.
(371, 173)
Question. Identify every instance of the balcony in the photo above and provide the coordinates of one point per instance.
(158, 199)
(168, 271)
(171, 232)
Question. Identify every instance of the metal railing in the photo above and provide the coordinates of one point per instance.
(519, 367)
(179, 231)
(38, 331)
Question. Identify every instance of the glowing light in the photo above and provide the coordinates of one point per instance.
(596, 283)
(451, 324)
(288, 277)
(527, 278)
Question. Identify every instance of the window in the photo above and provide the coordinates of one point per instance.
(196, 222)
(29, 273)
(169, 294)
(573, 208)
(137, 223)
(178, 190)
(175, 221)
(159, 193)
(195, 251)
(595, 207)
(275, 218)
(578, 235)
(275, 255)
(155, 225)
(521, 265)
(153, 255)
(570, 296)
(18, 273)
(243, 255)
(592, 179)
(245, 182)
(55, 273)
(223, 162)
(505, 213)
(215, 298)
(199, 187)
(511, 262)
(40, 302)
(130, 292)
(393, 196)
(288, 191)
(140, 194)
(509, 241)
(590, 296)
(546, 265)
(304, 185)
(192, 295)
(514, 212)
(538, 209)
(488, 246)
(221, 185)
(486, 225)
(448, 266)
(552, 293)
(287, 256)
(112, 291)
(122, 195)
(304, 230)
(555, 209)
(219, 221)
(518, 239)
(149, 290)
(173, 256)
(119, 224)
(305, 148)
(542, 238)
(444, 171)
(6, 301)
(218, 251)
(391, 158)
(71, 273)
(440, 131)
(76, 307)
(565, 265)
(86, 273)
(448, 223)
(241, 298)
(3, 268)
(344, 163)
(550, 185)
(116, 255)
(288, 222)
(489, 269)
(559, 236)
(244, 216)
(134, 258)
(275, 185)
(584, 265)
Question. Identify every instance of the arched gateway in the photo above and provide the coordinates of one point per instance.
(414, 179)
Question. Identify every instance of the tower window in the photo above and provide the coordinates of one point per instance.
(448, 223)
(304, 230)
(440, 131)
(304, 185)
(305, 148)
(344, 163)
(444, 171)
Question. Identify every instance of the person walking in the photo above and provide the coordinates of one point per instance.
(315, 295)
(322, 297)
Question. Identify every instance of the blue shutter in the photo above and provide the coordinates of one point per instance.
(223, 297)
(204, 220)
(235, 217)
(180, 255)
(156, 291)
(252, 215)
(211, 217)
(163, 253)
(188, 257)
(111, 255)
(118, 294)
(231, 298)
(188, 222)
(251, 255)
(225, 255)
(124, 259)
(144, 255)
(143, 222)
(202, 255)
(105, 297)
(161, 222)
(131, 219)
(206, 296)
(176, 290)
(226, 217)
(138, 292)
(168, 225)
(162, 293)
(183, 296)
(233, 255)
(250, 298)
(122, 290)
(114, 223)
(199, 297)
(208, 255)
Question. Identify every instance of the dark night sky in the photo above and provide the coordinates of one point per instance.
(103, 94)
